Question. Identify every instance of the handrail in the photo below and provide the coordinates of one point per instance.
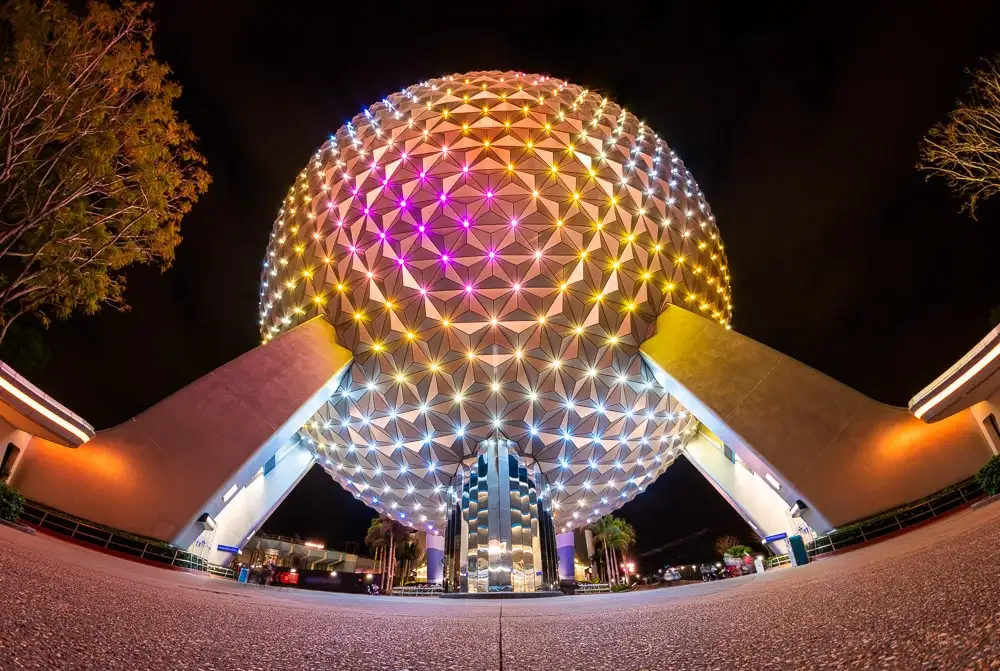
(591, 587)
(415, 590)
(883, 525)
(146, 550)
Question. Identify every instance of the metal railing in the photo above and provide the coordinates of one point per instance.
(144, 549)
(221, 571)
(592, 588)
(882, 525)
(417, 590)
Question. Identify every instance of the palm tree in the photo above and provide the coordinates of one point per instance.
(623, 539)
(406, 552)
(605, 532)
(376, 539)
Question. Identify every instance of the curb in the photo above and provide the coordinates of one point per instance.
(985, 502)
(20, 527)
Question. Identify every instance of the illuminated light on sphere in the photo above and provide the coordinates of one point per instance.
(494, 264)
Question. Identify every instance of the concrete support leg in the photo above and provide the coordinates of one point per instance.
(435, 558)
(564, 548)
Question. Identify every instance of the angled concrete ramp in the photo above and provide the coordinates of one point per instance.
(843, 454)
(220, 445)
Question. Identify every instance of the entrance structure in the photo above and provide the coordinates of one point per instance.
(489, 300)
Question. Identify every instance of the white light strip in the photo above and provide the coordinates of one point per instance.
(35, 405)
(962, 379)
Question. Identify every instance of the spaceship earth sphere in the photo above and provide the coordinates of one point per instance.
(493, 247)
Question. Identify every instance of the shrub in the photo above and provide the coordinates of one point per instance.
(11, 503)
(739, 551)
(989, 476)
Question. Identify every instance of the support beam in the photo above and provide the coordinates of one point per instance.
(845, 455)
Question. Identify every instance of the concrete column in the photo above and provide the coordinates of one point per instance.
(435, 555)
(564, 549)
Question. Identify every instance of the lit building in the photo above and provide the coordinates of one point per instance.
(495, 307)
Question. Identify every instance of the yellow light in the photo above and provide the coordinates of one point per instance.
(510, 167)
(445, 323)
(614, 200)
(318, 300)
(579, 330)
(583, 254)
(400, 378)
(556, 363)
(358, 316)
(388, 305)
(471, 354)
(541, 320)
(410, 335)
(518, 353)
(486, 144)
(377, 347)
(630, 306)
(598, 297)
(340, 287)
(613, 340)
(559, 222)
(465, 128)
(563, 287)
(576, 195)
(38, 407)
(554, 168)
(434, 367)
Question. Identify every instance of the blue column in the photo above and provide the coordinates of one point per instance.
(564, 548)
(435, 557)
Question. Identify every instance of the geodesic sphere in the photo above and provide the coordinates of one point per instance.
(493, 247)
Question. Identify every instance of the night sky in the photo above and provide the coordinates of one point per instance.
(801, 125)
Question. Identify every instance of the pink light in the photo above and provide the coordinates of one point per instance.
(385, 182)
(402, 203)
(353, 249)
(513, 222)
(465, 222)
(489, 194)
(367, 210)
(355, 191)
(340, 222)
(381, 234)
(468, 288)
(423, 174)
(465, 168)
(444, 258)
(421, 228)
(443, 197)
(423, 291)
(404, 155)
(402, 261)
(516, 287)
(492, 255)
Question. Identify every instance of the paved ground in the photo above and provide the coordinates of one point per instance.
(929, 599)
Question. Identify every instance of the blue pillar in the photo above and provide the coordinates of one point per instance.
(564, 549)
(435, 558)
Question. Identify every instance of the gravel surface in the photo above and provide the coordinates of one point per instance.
(929, 599)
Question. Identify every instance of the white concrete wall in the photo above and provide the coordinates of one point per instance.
(981, 411)
(9, 434)
(751, 496)
(250, 507)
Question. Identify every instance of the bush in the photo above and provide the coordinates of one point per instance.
(739, 551)
(621, 588)
(11, 503)
(989, 476)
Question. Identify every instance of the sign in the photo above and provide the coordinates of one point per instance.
(758, 564)
(228, 548)
(776, 537)
(244, 574)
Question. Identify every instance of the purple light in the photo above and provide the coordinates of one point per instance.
(443, 197)
(381, 234)
(444, 258)
(385, 182)
(402, 203)
(367, 210)
(465, 222)
(423, 174)
(355, 191)
(492, 255)
(402, 261)
(421, 228)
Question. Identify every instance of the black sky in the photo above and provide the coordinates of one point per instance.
(800, 122)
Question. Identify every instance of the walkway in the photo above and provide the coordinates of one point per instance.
(927, 599)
